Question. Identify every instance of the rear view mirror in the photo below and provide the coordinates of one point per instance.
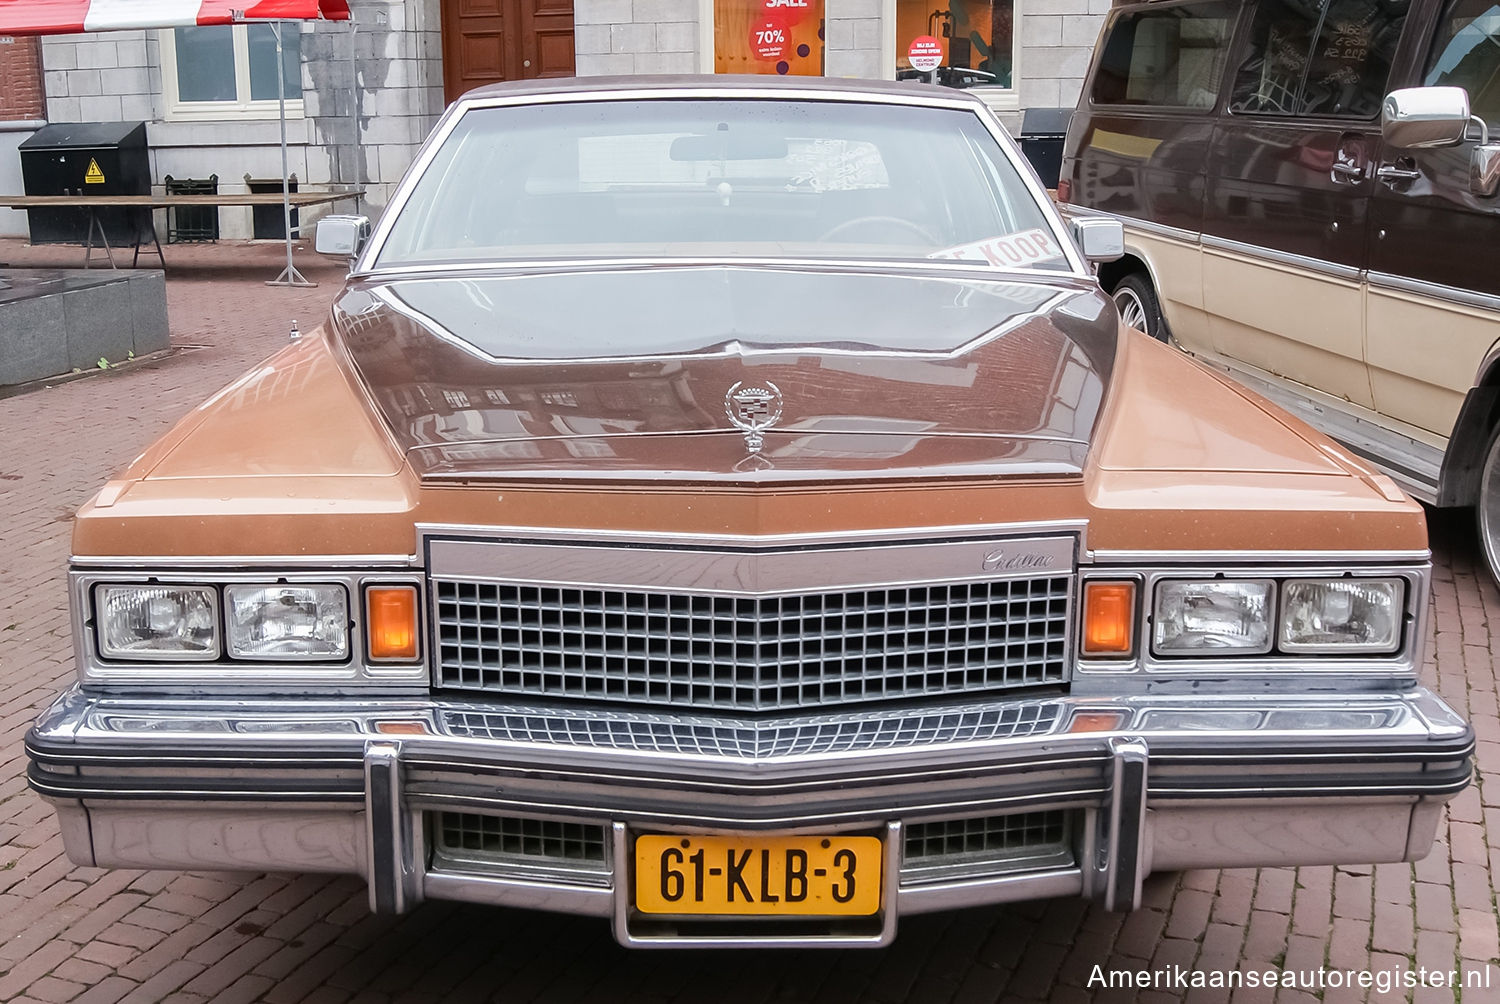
(729, 146)
(342, 236)
(1417, 118)
(1099, 239)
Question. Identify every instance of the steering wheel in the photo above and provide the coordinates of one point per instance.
(838, 229)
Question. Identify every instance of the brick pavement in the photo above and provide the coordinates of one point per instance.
(87, 935)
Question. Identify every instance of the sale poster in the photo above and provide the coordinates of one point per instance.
(782, 37)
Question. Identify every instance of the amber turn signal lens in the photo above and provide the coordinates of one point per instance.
(1095, 721)
(1108, 618)
(392, 621)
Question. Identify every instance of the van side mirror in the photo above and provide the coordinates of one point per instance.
(1100, 240)
(342, 236)
(1419, 118)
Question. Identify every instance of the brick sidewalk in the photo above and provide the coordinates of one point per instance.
(83, 934)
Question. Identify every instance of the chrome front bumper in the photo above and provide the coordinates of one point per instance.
(1154, 783)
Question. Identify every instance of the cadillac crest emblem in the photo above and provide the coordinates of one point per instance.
(753, 408)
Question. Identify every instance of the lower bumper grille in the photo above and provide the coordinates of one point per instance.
(498, 840)
(955, 838)
(986, 845)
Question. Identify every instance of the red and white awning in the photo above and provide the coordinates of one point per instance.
(66, 17)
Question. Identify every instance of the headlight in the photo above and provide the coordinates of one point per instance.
(1341, 615)
(1194, 617)
(287, 622)
(157, 622)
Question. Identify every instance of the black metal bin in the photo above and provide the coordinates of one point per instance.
(86, 159)
(1043, 132)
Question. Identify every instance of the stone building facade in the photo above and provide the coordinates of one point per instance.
(363, 94)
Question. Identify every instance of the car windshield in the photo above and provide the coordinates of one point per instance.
(693, 178)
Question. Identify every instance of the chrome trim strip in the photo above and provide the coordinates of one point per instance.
(1217, 558)
(1386, 282)
(234, 562)
(749, 543)
(1145, 227)
(1126, 843)
(493, 890)
(1301, 263)
(363, 266)
(996, 889)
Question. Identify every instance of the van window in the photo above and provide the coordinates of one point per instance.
(1321, 57)
(1466, 53)
(1170, 56)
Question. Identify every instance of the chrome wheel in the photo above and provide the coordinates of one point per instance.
(1488, 507)
(1132, 310)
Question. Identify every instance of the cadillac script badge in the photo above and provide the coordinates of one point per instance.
(753, 408)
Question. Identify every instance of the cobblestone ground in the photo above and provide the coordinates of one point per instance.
(82, 934)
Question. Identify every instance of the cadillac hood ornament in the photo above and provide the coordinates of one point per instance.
(753, 408)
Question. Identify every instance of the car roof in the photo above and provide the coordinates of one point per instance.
(720, 83)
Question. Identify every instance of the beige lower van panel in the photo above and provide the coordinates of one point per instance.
(1424, 355)
(1288, 322)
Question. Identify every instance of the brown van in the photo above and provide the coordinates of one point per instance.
(1309, 205)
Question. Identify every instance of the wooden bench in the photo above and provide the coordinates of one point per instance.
(148, 202)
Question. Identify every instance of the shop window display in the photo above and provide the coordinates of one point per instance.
(977, 37)
(769, 36)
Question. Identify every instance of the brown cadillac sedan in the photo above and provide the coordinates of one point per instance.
(732, 509)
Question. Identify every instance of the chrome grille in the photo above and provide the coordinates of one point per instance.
(986, 835)
(468, 834)
(806, 735)
(752, 653)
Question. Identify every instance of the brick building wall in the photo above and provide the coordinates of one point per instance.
(22, 107)
(21, 96)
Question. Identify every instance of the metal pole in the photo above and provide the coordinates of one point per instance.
(289, 276)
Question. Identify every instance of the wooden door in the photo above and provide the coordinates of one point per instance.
(485, 41)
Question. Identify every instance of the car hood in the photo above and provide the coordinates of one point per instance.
(627, 372)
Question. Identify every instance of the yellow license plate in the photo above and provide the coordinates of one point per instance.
(757, 876)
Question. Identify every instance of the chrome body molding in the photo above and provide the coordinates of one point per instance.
(1386, 281)
(747, 543)
(1302, 263)
(290, 563)
(1151, 781)
(1145, 227)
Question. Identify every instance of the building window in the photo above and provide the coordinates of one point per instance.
(977, 36)
(769, 36)
(212, 71)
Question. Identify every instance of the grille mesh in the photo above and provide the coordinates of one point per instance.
(985, 835)
(753, 740)
(512, 837)
(757, 653)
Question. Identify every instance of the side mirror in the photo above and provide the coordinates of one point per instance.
(1418, 118)
(342, 236)
(1100, 240)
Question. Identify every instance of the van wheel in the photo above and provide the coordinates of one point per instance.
(1138, 305)
(1487, 509)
